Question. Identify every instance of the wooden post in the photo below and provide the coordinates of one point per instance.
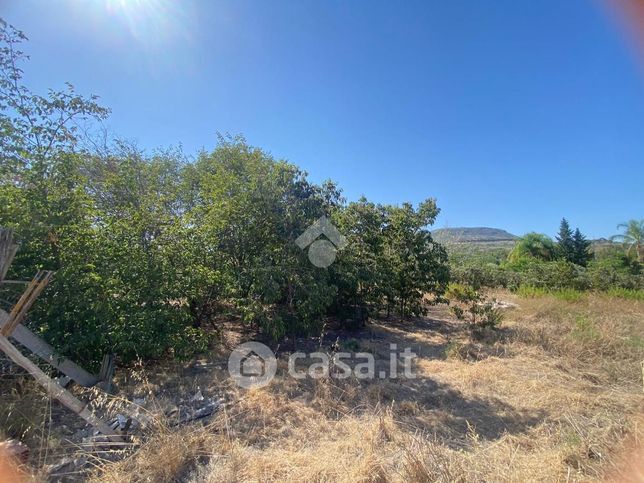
(56, 391)
(106, 373)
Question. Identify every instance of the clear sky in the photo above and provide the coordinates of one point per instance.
(512, 113)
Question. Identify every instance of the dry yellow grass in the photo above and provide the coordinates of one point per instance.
(556, 395)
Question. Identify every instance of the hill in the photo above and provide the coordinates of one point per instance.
(471, 234)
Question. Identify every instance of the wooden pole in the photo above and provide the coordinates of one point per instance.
(56, 391)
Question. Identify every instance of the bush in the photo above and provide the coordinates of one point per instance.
(615, 270)
(147, 250)
(468, 304)
(488, 275)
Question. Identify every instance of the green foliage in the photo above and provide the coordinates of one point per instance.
(572, 246)
(632, 238)
(565, 242)
(33, 127)
(468, 304)
(572, 295)
(391, 260)
(553, 274)
(532, 246)
(581, 249)
(415, 265)
(485, 275)
(568, 294)
(614, 269)
(247, 210)
(626, 293)
(530, 291)
(351, 345)
(609, 267)
(151, 250)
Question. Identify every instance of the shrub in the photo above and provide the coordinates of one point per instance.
(484, 275)
(470, 305)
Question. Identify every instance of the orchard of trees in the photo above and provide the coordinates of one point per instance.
(151, 250)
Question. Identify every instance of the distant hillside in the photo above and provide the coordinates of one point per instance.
(470, 235)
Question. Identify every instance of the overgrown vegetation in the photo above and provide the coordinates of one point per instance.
(150, 249)
(556, 395)
(538, 262)
(155, 254)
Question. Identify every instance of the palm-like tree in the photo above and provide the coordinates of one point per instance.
(633, 237)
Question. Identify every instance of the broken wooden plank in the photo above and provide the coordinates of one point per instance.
(57, 392)
(107, 368)
(19, 311)
(46, 352)
(7, 251)
(106, 373)
(62, 381)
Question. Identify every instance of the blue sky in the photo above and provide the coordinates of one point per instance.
(511, 113)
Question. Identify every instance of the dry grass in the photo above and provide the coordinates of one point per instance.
(556, 395)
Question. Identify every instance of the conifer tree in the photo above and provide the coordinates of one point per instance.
(581, 249)
(565, 243)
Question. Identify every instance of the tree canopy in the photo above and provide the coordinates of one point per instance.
(151, 251)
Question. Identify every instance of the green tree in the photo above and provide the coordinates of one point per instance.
(565, 242)
(632, 238)
(533, 246)
(34, 127)
(109, 226)
(581, 245)
(359, 272)
(249, 209)
(147, 249)
(415, 265)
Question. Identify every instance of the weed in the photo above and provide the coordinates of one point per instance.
(567, 294)
(585, 329)
(626, 293)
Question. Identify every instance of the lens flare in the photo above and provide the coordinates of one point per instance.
(149, 22)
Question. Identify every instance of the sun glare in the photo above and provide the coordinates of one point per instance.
(149, 21)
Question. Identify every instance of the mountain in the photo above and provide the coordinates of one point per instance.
(469, 235)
